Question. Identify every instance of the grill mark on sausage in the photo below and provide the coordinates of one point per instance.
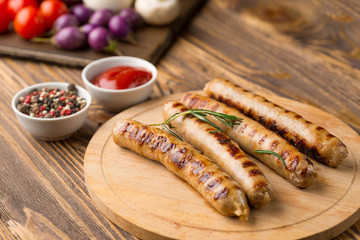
(186, 96)
(239, 156)
(262, 120)
(197, 167)
(144, 136)
(284, 154)
(220, 137)
(167, 147)
(252, 133)
(205, 176)
(133, 133)
(262, 139)
(304, 171)
(292, 163)
(159, 141)
(199, 121)
(213, 184)
(286, 111)
(227, 177)
(260, 185)
(125, 128)
(273, 145)
(242, 127)
(193, 102)
(176, 104)
(319, 128)
(202, 104)
(307, 122)
(183, 109)
(255, 172)
(214, 107)
(232, 149)
(329, 135)
(282, 131)
(221, 194)
(297, 116)
(308, 160)
(248, 164)
(180, 158)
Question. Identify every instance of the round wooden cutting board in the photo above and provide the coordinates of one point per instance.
(142, 197)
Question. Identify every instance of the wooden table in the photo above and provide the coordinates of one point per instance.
(309, 52)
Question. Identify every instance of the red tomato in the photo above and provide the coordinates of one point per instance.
(4, 20)
(3, 4)
(29, 23)
(51, 10)
(14, 6)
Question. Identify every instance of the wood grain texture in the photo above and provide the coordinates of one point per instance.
(318, 65)
(142, 197)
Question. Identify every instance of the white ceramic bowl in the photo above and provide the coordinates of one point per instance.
(117, 100)
(52, 129)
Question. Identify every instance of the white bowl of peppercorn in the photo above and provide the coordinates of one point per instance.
(51, 111)
(119, 82)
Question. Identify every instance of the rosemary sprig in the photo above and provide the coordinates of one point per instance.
(166, 129)
(272, 153)
(201, 114)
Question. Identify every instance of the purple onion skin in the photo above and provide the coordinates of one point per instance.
(66, 20)
(99, 38)
(131, 16)
(101, 17)
(87, 28)
(82, 13)
(118, 26)
(69, 38)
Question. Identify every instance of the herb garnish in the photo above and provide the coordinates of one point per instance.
(201, 114)
(272, 153)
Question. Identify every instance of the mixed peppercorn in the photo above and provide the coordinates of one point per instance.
(51, 103)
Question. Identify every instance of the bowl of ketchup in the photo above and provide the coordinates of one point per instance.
(119, 82)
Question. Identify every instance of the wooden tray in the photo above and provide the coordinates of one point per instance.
(151, 43)
(142, 197)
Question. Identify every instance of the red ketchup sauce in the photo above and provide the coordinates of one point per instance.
(122, 77)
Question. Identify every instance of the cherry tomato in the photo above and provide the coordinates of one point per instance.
(51, 10)
(14, 6)
(3, 4)
(29, 23)
(4, 20)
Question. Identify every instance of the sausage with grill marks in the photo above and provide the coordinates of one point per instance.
(182, 159)
(223, 151)
(251, 136)
(309, 138)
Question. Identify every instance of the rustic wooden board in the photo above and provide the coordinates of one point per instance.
(151, 43)
(142, 197)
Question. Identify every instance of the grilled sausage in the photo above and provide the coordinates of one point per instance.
(309, 138)
(251, 136)
(182, 159)
(224, 152)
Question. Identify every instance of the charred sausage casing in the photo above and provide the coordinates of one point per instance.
(182, 159)
(309, 138)
(251, 136)
(223, 151)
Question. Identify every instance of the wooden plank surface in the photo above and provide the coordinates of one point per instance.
(141, 196)
(42, 188)
(151, 43)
